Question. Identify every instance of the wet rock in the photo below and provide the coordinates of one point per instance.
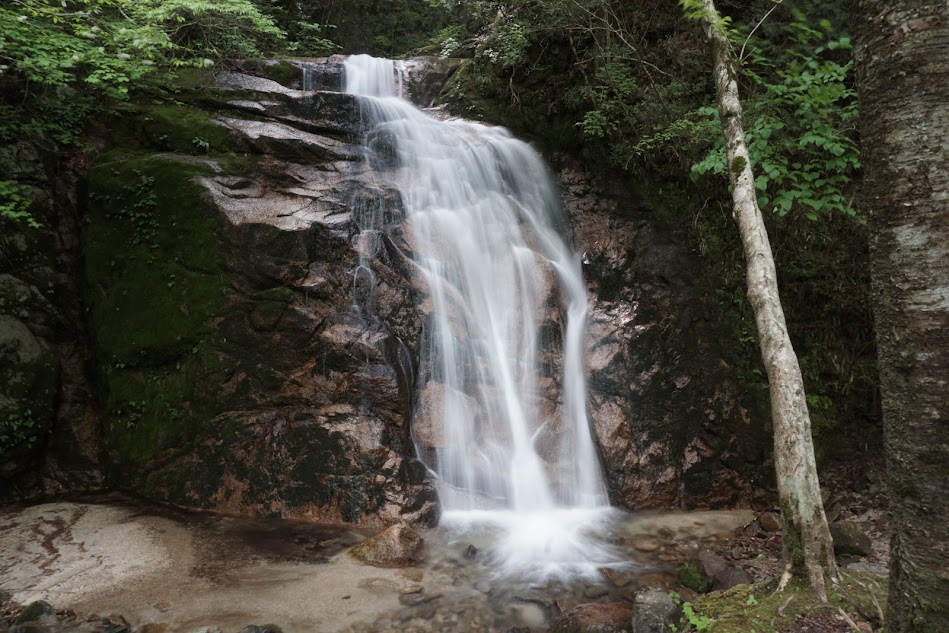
(483, 586)
(471, 552)
(112, 624)
(595, 618)
(289, 143)
(397, 546)
(654, 612)
(266, 628)
(208, 629)
(617, 578)
(850, 539)
(426, 76)
(417, 598)
(752, 529)
(769, 522)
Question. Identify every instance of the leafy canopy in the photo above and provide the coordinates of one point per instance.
(107, 44)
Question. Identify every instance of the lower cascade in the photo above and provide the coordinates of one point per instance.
(500, 417)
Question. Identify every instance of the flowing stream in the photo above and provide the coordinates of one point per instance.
(502, 400)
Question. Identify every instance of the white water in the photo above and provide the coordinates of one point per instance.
(487, 231)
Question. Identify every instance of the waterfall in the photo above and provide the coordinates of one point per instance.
(502, 387)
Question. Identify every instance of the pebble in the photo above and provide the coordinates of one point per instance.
(646, 545)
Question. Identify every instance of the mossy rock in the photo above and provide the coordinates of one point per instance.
(153, 258)
(154, 265)
(692, 577)
(169, 126)
(34, 611)
(283, 71)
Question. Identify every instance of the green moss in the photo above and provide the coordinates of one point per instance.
(738, 165)
(283, 72)
(153, 259)
(759, 607)
(171, 127)
(690, 576)
(155, 269)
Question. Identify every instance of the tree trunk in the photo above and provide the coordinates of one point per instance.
(903, 75)
(808, 549)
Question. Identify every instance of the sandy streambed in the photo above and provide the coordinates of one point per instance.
(180, 571)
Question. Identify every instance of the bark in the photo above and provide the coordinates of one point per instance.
(903, 77)
(808, 549)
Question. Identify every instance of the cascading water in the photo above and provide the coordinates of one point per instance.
(486, 228)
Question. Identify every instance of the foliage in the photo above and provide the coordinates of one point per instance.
(14, 205)
(307, 38)
(691, 621)
(800, 126)
(108, 44)
(18, 429)
(61, 60)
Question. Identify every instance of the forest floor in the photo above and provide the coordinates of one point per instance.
(854, 496)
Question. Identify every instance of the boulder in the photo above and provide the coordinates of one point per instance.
(707, 571)
(850, 539)
(397, 546)
(769, 522)
(595, 618)
(34, 611)
(731, 577)
(654, 612)
(709, 563)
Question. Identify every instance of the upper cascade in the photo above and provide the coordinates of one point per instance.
(368, 76)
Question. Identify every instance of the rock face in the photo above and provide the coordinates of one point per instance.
(246, 367)
(664, 405)
(254, 323)
(49, 424)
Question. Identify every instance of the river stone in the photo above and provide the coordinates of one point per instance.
(850, 539)
(709, 563)
(595, 618)
(398, 546)
(731, 577)
(654, 612)
(769, 522)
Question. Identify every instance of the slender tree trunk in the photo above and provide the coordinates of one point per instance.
(903, 74)
(808, 548)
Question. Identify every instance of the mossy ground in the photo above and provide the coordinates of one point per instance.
(759, 608)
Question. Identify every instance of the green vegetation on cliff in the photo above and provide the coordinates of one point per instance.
(153, 259)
